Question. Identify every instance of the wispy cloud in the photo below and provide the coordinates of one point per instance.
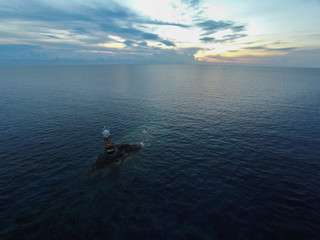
(212, 26)
(207, 39)
(225, 38)
(271, 49)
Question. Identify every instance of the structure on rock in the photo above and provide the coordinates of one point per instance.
(114, 154)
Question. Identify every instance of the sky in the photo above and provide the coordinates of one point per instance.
(268, 33)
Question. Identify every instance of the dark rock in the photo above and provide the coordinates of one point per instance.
(122, 152)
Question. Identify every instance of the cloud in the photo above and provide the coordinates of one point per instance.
(129, 42)
(80, 30)
(304, 57)
(67, 30)
(13, 48)
(51, 36)
(156, 22)
(100, 31)
(207, 39)
(212, 26)
(110, 17)
(271, 49)
(181, 56)
(232, 37)
(192, 3)
(150, 36)
(226, 38)
(296, 58)
(9, 53)
(168, 43)
(238, 28)
(142, 44)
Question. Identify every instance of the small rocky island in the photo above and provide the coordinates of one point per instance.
(114, 154)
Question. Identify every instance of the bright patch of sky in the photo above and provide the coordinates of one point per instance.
(285, 33)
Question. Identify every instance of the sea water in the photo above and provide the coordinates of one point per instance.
(230, 152)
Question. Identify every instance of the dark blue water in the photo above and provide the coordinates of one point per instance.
(233, 153)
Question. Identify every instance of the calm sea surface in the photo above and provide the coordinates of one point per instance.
(232, 152)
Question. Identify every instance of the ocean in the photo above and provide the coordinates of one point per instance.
(230, 152)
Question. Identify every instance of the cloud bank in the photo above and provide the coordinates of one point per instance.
(92, 31)
(103, 31)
